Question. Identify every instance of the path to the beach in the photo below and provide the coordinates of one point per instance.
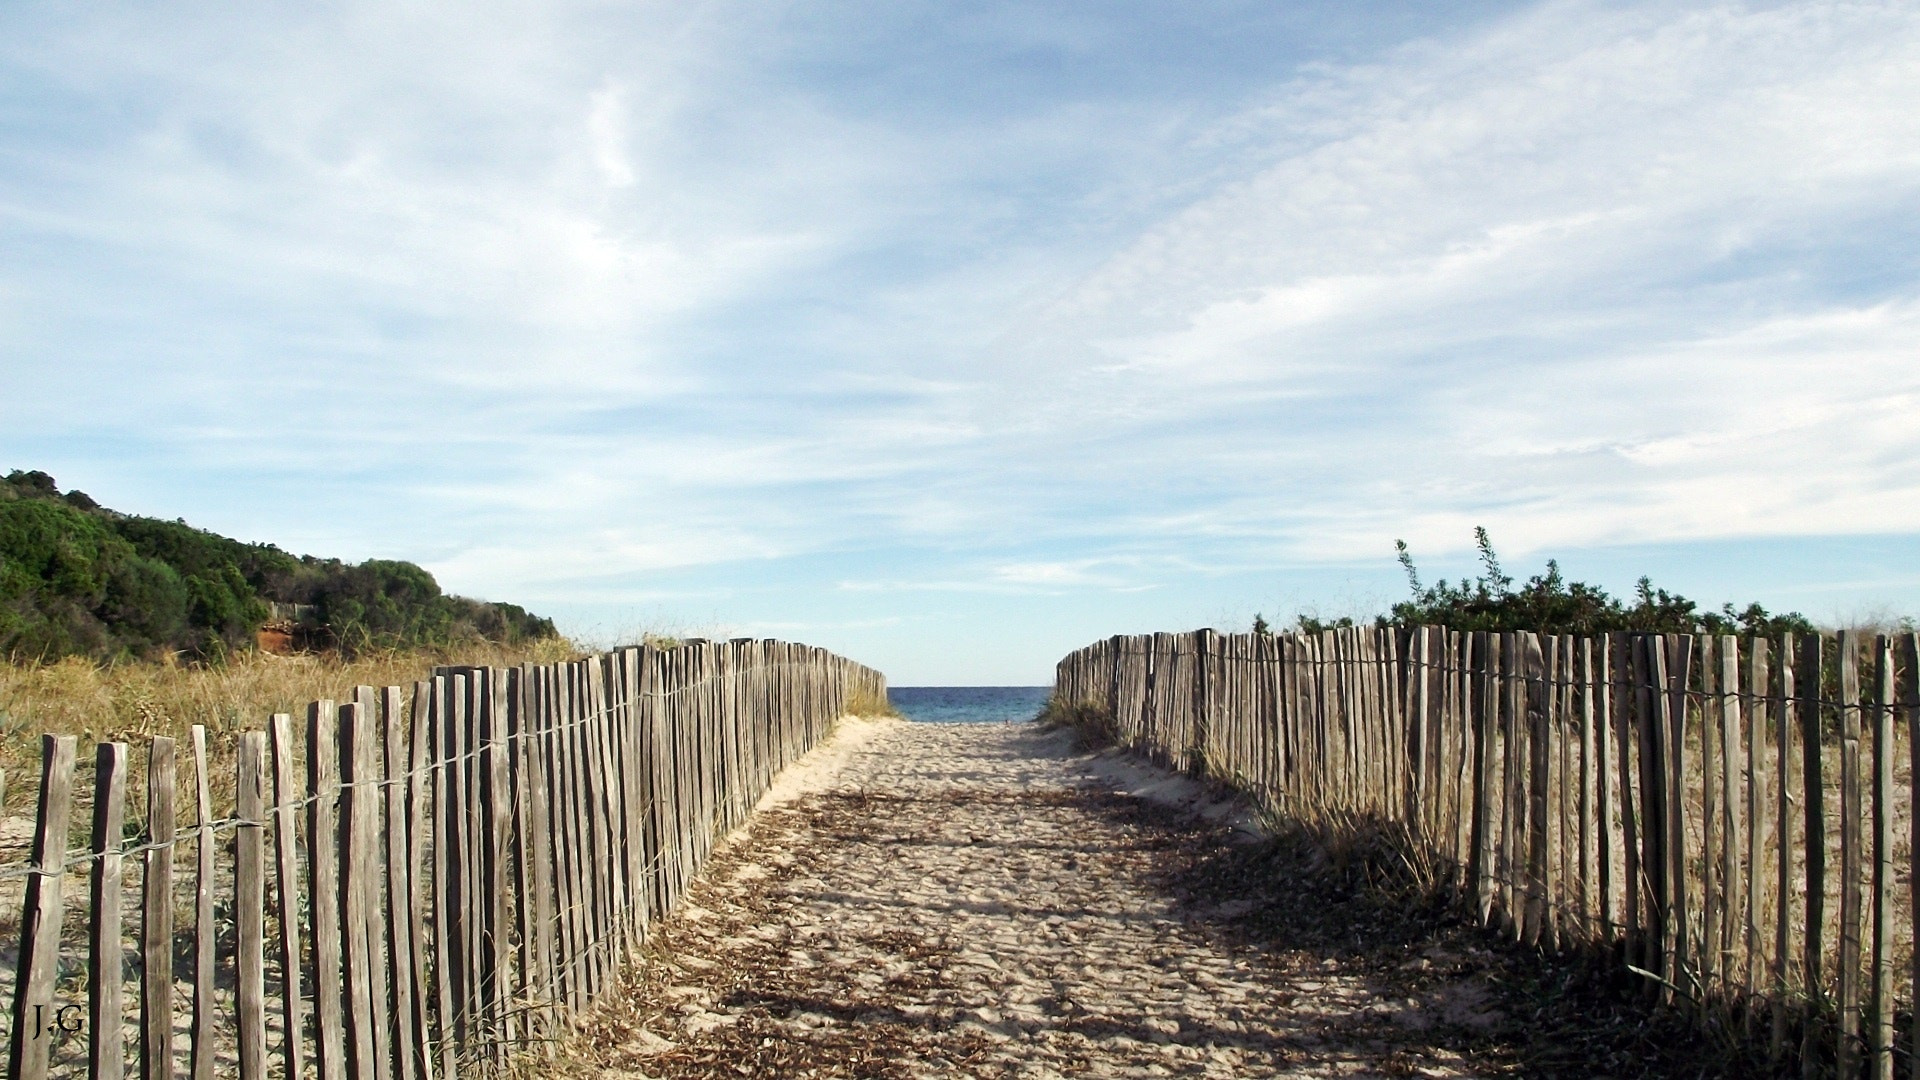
(991, 900)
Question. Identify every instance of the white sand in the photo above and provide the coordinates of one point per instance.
(974, 900)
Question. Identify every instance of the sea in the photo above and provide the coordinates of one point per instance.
(968, 704)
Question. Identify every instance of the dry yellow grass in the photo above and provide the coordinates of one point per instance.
(132, 701)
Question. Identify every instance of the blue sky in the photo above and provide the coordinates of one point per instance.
(953, 336)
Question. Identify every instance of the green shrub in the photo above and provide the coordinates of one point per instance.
(1549, 604)
(147, 601)
(78, 579)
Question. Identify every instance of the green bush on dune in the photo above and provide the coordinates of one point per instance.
(1550, 604)
(77, 579)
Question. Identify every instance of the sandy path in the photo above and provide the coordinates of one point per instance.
(987, 900)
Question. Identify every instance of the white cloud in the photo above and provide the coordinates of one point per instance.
(606, 124)
(1078, 572)
(1570, 147)
(556, 294)
(1570, 276)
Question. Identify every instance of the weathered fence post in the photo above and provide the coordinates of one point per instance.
(40, 917)
(106, 960)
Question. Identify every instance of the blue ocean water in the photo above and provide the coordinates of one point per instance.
(968, 704)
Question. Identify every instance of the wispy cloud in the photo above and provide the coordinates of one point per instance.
(881, 303)
(1585, 273)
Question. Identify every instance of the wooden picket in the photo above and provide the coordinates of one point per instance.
(1718, 813)
(455, 868)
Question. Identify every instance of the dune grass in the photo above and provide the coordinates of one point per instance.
(861, 703)
(132, 701)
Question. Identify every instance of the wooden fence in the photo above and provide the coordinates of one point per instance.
(1732, 817)
(415, 884)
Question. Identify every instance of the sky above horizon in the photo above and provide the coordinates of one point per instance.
(954, 336)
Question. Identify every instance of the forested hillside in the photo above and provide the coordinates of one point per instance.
(79, 579)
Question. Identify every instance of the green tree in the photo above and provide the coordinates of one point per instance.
(146, 603)
(1550, 604)
(76, 578)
